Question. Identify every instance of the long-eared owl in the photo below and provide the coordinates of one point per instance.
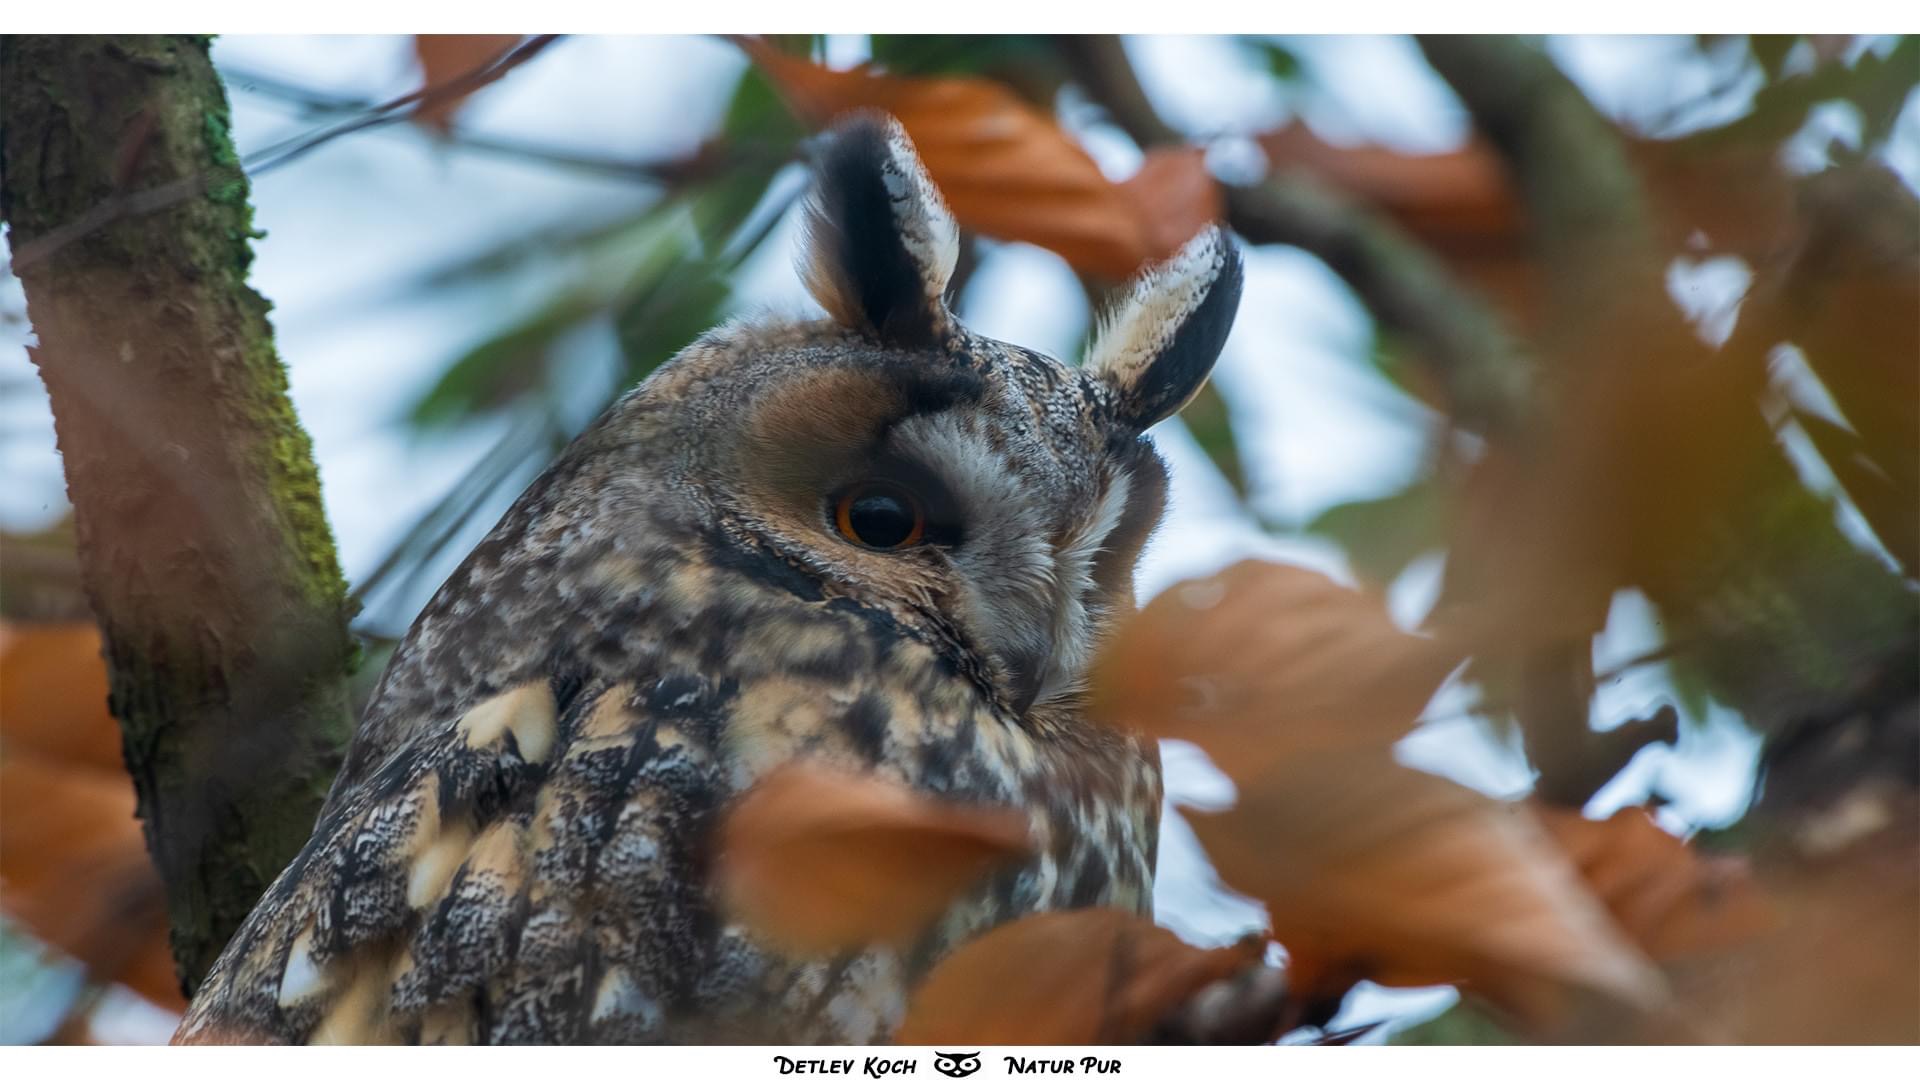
(876, 540)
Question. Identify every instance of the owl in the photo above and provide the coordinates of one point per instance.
(876, 541)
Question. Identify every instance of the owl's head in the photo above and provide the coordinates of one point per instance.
(987, 496)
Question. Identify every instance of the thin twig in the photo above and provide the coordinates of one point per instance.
(391, 111)
(319, 102)
(135, 204)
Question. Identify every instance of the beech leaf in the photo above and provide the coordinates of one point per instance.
(822, 860)
(1263, 662)
(447, 60)
(1008, 170)
(1671, 899)
(1298, 689)
(1097, 975)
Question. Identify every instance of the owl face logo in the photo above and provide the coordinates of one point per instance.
(957, 1064)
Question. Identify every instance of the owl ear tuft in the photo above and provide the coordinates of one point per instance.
(880, 244)
(1157, 346)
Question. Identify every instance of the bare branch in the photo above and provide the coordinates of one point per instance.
(1483, 369)
(1792, 621)
(1486, 374)
(122, 204)
(1583, 198)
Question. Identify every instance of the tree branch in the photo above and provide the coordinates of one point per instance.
(1487, 376)
(1583, 198)
(204, 549)
(312, 102)
(1485, 373)
(1793, 621)
(120, 202)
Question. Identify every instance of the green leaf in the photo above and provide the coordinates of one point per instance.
(546, 240)
(659, 321)
(1280, 61)
(757, 112)
(1381, 536)
(1877, 86)
(760, 125)
(1882, 88)
(505, 367)
(1771, 50)
(720, 207)
(957, 54)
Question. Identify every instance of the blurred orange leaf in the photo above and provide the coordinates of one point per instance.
(1454, 199)
(1064, 978)
(822, 860)
(1462, 204)
(455, 62)
(75, 872)
(73, 864)
(1669, 898)
(1839, 965)
(1006, 169)
(53, 695)
(1264, 662)
(1457, 202)
(1174, 195)
(1298, 689)
(1370, 870)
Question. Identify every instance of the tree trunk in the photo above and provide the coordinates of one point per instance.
(204, 548)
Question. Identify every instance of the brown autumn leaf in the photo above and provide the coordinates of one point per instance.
(1455, 200)
(74, 868)
(1006, 169)
(1298, 689)
(1093, 976)
(1462, 204)
(53, 695)
(1669, 898)
(1263, 662)
(1458, 202)
(447, 59)
(1647, 454)
(1174, 196)
(822, 860)
(1371, 870)
(1838, 968)
(1850, 298)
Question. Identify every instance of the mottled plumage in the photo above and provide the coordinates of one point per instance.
(518, 847)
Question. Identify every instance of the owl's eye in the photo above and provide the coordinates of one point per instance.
(881, 515)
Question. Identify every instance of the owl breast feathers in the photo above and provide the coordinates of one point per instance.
(876, 540)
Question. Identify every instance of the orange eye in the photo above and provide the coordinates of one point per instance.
(880, 515)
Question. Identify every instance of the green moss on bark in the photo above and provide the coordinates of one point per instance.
(204, 544)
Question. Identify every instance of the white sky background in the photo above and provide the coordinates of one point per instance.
(349, 225)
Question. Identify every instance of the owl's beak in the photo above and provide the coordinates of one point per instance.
(1029, 670)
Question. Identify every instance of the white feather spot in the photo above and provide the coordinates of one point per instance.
(301, 978)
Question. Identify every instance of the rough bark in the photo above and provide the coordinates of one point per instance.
(204, 549)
